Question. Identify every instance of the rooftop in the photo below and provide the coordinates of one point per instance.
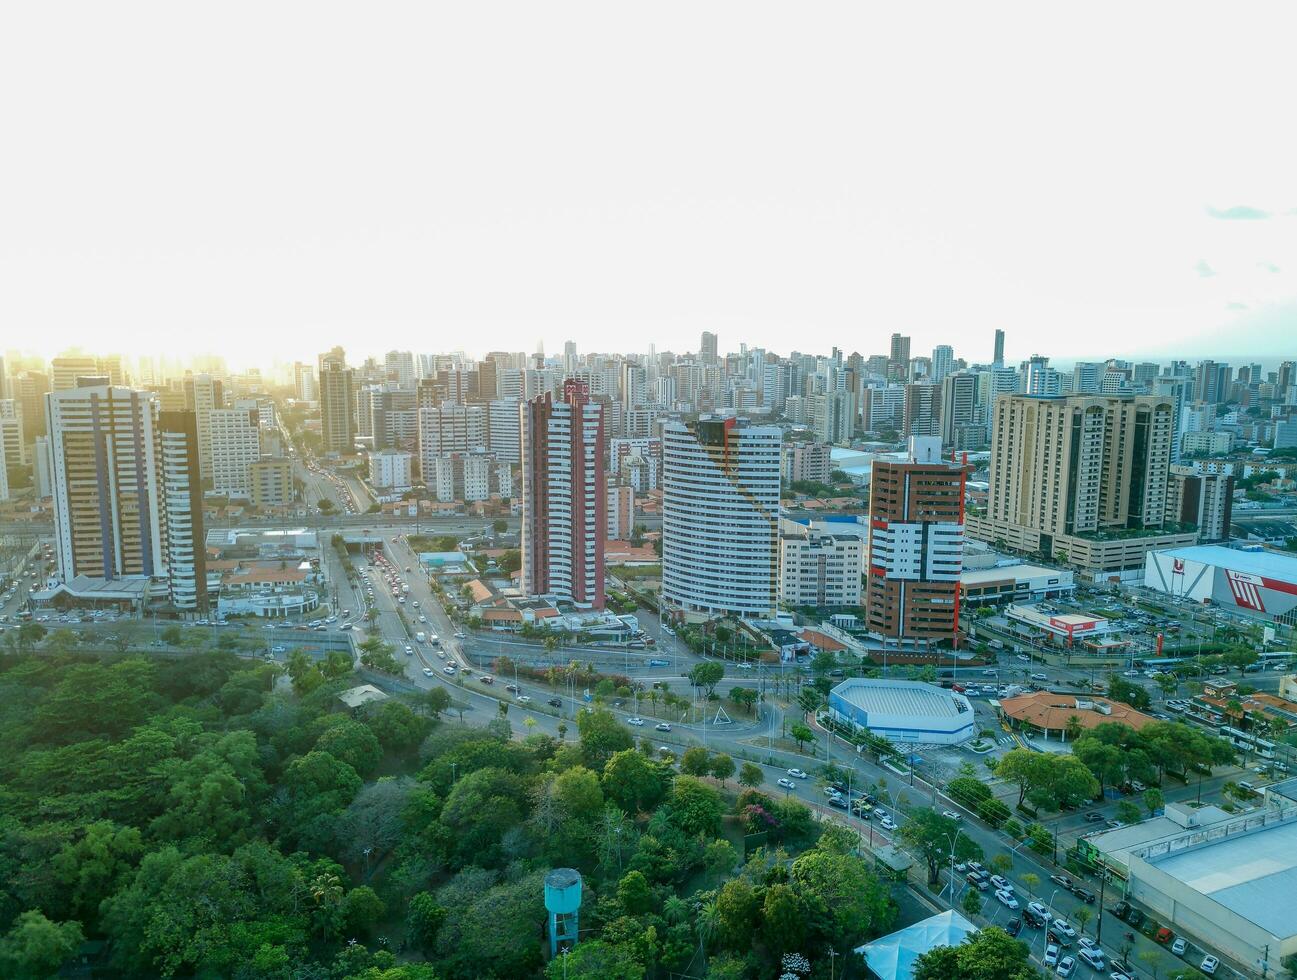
(354, 697)
(1252, 874)
(893, 956)
(1264, 563)
(1047, 710)
(900, 698)
(1000, 573)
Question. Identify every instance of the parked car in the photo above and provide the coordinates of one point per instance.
(1163, 936)
(887, 823)
(977, 881)
(1001, 884)
(1013, 927)
(1051, 955)
(1209, 965)
(1179, 946)
(838, 801)
(1066, 966)
(1007, 899)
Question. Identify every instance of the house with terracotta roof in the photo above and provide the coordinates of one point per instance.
(1046, 712)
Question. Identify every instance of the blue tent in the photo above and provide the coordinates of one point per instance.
(893, 956)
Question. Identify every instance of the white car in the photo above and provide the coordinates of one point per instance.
(427, 671)
(524, 698)
(1063, 928)
(797, 774)
(787, 783)
(1007, 899)
(1001, 884)
(637, 722)
(887, 823)
(1066, 966)
(460, 634)
(1208, 965)
(448, 669)
(1040, 910)
(951, 814)
(1179, 946)
(1051, 955)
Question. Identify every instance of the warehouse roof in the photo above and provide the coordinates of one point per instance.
(1264, 563)
(1001, 573)
(1253, 875)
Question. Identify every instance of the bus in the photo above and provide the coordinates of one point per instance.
(1248, 741)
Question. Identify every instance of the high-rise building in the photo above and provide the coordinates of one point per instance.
(819, 567)
(450, 428)
(272, 482)
(922, 410)
(399, 367)
(833, 416)
(182, 492)
(203, 394)
(1204, 501)
(65, 370)
(564, 496)
(720, 517)
(707, 349)
(805, 461)
(127, 498)
(958, 406)
(997, 357)
(304, 382)
(1036, 377)
(234, 444)
(898, 360)
(916, 546)
(29, 390)
(390, 470)
(337, 403)
(505, 430)
(1080, 464)
(1211, 382)
(943, 359)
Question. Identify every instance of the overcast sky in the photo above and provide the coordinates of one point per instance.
(264, 180)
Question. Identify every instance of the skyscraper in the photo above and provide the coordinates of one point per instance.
(182, 500)
(707, 349)
(337, 403)
(898, 361)
(916, 546)
(997, 358)
(943, 359)
(922, 410)
(720, 517)
(564, 496)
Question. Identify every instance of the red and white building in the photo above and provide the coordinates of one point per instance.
(564, 496)
(1260, 584)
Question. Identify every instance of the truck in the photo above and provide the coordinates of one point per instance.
(421, 637)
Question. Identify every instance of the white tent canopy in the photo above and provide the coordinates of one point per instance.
(893, 956)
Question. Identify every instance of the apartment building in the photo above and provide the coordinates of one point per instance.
(390, 470)
(720, 516)
(450, 428)
(805, 461)
(182, 499)
(273, 483)
(564, 496)
(234, 444)
(916, 546)
(1204, 501)
(337, 388)
(819, 568)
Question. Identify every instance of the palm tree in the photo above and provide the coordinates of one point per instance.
(675, 910)
(1072, 728)
(707, 923)
(326, 891)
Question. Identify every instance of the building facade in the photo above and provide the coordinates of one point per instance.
(720, 517)
(820, 569)
(916, 545)
(390, 470)
(805, 461)
(564, 496)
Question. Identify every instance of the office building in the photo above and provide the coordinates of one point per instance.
(1203, 501)
(234, 444)
(1211, 382)
(805, 461)
(273, 484)
(720, 517)
(337, 389)
(997, 357)
(916, 546)
(564, 496)
(390, 470)
(203, 394)
(1036, 377)
(943, 360)
(818, 567)
(959, 409)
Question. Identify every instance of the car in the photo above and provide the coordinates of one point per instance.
(838, 801)
(951, 814)
(977, 881)
(1001, 884)
(460, 634)
(423, 619)
(1179, 946)
(1092, 958)
(1209, 965)
(1120, 975)
(787, 783)
(1051, 955)
(1032, 919)
(1094, 816)
(555, 702)
(1085, 942)
(832, 791)
(1040, 677)
(427, 671)
(1063, 928)
(1013, 927)
(1063, 881)
(1135, 918)
(887, 823)
(1007, 899)
(1039, 909)
(448, 669)
(1066, 966)
(797, 774)
(487, 679)
(662, 726)
(1163, 936)
(524, 699)
(511, 688)
(637, 722)
(1084, 895)
(989, 673)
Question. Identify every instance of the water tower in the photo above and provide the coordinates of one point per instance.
(563, 903)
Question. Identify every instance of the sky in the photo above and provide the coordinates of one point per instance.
(266, 180)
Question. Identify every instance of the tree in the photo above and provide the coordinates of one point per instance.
(634, 782)
(801, 734)
(696, 761)
(362, 910)
(597, 960)
(972, 902)
(933, 837)
(745, 697)
(423, 918)
(602, 735)
(1153, 800)
(1135, 695)
(36, 947)
(857, 903)
(1128, 811)
(707, 674)
(696, 808)
(751, 775)
(988, 954)
(634, 894)
(721, 767)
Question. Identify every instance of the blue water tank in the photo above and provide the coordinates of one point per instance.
(562, 891)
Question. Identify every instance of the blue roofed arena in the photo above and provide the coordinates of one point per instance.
(903, 711)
